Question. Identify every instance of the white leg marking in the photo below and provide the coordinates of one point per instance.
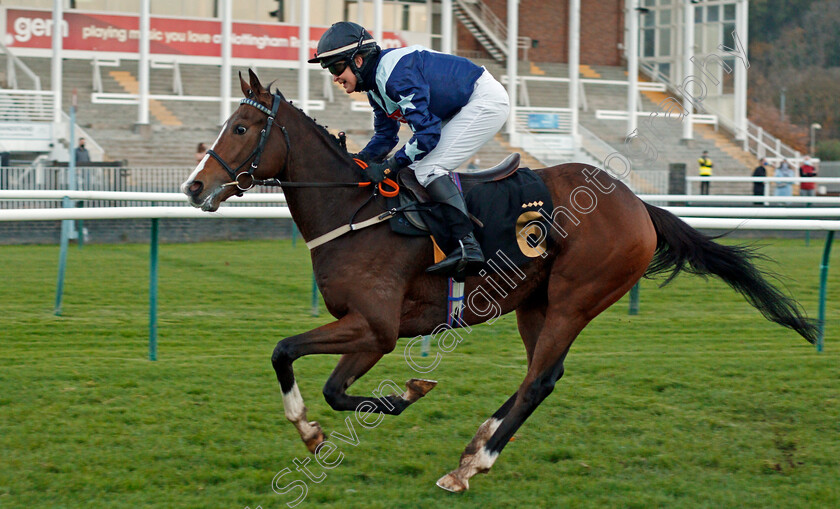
(293, 404)
(295, 412)
(473, 462)
(485, 431)
(484, 459)
(492, 425)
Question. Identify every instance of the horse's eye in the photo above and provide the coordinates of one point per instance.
(240, 129)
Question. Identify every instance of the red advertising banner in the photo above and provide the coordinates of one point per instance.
(99, 32)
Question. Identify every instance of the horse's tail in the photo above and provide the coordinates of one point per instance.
(680, 247)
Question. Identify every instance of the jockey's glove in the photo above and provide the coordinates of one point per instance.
(377, 172)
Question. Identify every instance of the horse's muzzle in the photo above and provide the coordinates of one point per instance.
(193, 191)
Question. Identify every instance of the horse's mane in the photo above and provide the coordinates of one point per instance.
(322, 129)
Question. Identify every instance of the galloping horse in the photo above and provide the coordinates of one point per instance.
(374, 281)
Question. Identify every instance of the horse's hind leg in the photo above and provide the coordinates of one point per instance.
(545, 369)
(530, 318)
(351, 367)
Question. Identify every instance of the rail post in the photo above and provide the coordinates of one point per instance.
(314, 296)
(634, 299)
(153, 289)
(829, 238)
(66, 224)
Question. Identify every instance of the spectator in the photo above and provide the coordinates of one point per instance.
(199, 152)
(705, 171)
(82, 155)
(807, 170)
(784, 171)
(760, 171)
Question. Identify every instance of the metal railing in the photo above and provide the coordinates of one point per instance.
(756, 140)
(763, 144)
(131, 179)
(797, 180)
(27, 106)
(100, 97)
(12, 63)
(493, 27)
(489, 18)
(98, 63)
(526, 100)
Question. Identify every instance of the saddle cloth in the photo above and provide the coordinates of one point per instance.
(505, 211)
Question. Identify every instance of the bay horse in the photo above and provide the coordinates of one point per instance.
(375, 285)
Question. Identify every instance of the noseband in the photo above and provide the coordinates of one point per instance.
(244, 180)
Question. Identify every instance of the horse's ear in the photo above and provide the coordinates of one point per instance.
(276, 91)
(246, 89)
(255, 83)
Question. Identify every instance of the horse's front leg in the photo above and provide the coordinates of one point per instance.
(352, 367)
(352, 333)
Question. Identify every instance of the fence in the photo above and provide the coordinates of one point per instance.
(154, 213)
(131, 179)
(765, 180)
(27, 106)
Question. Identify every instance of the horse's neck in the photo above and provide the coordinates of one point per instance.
(316, 158)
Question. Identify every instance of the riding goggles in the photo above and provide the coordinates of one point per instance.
(337, 68)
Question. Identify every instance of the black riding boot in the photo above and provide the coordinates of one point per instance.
(465, 256)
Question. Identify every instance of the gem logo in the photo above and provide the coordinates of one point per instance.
(27, 28)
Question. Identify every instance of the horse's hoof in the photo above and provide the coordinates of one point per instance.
(451, 483)
(316, 439)
(418, 387)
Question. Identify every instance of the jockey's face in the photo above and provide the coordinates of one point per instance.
(347, 79)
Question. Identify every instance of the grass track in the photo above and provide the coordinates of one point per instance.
(696, 402)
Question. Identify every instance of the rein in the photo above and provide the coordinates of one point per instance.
(245, 180)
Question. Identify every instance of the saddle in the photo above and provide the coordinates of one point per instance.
(506, 203)
(412, 192)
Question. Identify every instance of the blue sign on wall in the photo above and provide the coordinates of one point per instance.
(543, 121)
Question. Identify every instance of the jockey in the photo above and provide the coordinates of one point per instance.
(451, 105)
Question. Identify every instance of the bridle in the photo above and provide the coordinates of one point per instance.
(244, 180)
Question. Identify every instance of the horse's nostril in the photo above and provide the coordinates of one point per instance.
(196, 187)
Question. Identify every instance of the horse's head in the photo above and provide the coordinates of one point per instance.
(242, 152)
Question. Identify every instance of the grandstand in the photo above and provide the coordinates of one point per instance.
(178, 126)
(185, 91)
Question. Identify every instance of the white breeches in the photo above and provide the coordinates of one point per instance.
(465, 133)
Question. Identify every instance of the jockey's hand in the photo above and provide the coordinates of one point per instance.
(359, 156)
(377, 172)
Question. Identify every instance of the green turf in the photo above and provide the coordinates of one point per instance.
(696, 402)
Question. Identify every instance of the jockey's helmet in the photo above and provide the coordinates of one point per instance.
(339, 46)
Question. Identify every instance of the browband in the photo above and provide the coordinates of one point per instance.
(255, 104)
